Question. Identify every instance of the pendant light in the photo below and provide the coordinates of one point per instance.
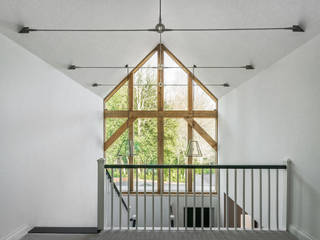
(126, 149)
(193, 148)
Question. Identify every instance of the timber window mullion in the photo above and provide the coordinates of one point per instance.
(160, 118)
(189, 115)
(130, 108)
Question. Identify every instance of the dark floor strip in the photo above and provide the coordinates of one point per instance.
(65, 230)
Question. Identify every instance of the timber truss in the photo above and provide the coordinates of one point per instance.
(131, 115)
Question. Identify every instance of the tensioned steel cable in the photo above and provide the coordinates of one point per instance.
(247, 67)
(293, 28)
(160, 28)
(160, 18)
(164, 85)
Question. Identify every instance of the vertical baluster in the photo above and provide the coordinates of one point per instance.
(185, 199)
(177, 218)
(128, 189)
(161, 193)
(252, 201)
(137, 199)
(169, 197)
(288, 193)
(194, 199)
(277, 199)
(144, 199)
(112, 187)
(235, 201)
(101, 172)
(269, 199)
(218, 191)
(260, 197)
(152, 199)
(210, 197)
(120, 197)
(227, 199)
(244, 199)
(202, 199)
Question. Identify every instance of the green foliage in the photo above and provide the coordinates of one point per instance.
(119, 101)
(145, 130)
(111, 153)
(144, 91)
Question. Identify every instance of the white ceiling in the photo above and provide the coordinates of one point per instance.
(117, 49)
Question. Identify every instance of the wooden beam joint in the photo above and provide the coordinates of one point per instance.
(202, 132)
(118, 133)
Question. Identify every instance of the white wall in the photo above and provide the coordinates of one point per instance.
(275, 116)
(51, 133)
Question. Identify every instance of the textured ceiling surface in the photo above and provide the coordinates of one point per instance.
(201, 48)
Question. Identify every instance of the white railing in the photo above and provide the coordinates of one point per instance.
(226, 197)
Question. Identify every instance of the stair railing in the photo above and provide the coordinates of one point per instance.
(236, 182)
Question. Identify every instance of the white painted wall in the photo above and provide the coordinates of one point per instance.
(50, 137)
(276, 115)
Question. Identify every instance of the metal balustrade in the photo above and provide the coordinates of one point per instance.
(237, 197)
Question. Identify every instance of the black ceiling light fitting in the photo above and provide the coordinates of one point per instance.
(249, 67)
(246, 67)
(95, 85)
(160, 28)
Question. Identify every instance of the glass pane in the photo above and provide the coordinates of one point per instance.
(148, 180)
(201, 100)
(209, 125)
(208, 157)
(175, 86)
(116, 178)
(112, 125)
(206, 180)
(145, 86)
(112, 151)
(208, 153)
(146, 149)
(119, 101)
(175, 143)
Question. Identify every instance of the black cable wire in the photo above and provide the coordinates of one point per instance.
(160, 18)
(73, 67)
(224, 29)
(294, 28)
(166, 85)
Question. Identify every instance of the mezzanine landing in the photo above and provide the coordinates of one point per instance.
(166, 235)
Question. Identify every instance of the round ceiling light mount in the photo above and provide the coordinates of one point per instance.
(160, 28)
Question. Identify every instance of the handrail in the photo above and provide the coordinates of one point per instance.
(196, 166)
(250, 176)
(117, 190)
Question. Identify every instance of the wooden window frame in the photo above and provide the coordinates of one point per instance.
(160, 113)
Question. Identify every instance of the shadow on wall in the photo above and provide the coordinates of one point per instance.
(304, 210)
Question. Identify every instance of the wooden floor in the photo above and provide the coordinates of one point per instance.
(165, 235)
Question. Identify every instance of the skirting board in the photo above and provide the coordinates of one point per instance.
(301, 235)
(18, 233)
(65, 230)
